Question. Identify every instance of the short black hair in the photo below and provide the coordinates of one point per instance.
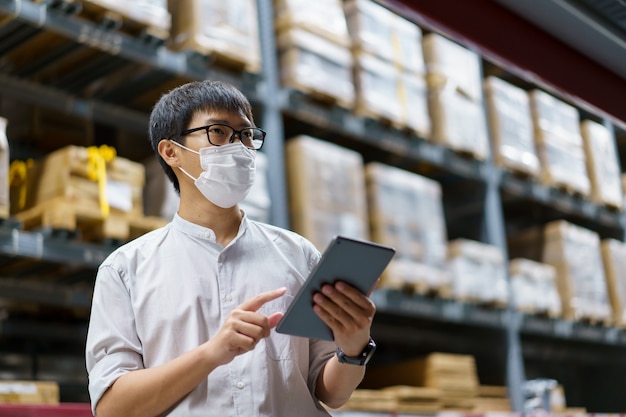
(175, 109)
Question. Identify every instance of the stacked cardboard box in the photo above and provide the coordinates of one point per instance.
(511, 127)
(389, 66)
(492, 398)
(574, 252)
(29, 392)
(453, 375)
(559, 143)
(534, 287)
(327, 195)
(314, 49)
(614, 261)
(225, 30)
(78, 188)
(406, 212)
(602, 164)
(455, 96)
(395, 399)
(478, 272)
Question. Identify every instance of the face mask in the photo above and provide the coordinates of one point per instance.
(228, 173)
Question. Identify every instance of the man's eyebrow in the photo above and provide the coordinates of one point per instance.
(225, 122)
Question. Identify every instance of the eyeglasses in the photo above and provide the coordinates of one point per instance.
(218, 135)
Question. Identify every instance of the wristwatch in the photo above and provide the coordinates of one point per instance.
(363, 358)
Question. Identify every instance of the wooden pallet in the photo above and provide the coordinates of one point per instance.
(595, 321)
(63, 214)
(319, 96)
(419, 288)
(539, 312)
(111, 19)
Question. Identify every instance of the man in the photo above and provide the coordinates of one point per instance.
(182, 317)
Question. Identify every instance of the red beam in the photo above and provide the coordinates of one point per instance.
(522, 48)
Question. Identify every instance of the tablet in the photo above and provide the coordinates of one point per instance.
(356, 262)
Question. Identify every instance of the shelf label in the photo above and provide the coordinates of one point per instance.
(453, 311)
(431, 153)
(539, 192)
(97, 38)
(28, 244)
(485, 317)
(563, 328)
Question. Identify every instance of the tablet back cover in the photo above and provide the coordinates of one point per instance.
(359, 263)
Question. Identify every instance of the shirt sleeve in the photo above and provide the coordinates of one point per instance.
(113, 347)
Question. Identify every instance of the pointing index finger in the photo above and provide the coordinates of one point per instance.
(256, 302)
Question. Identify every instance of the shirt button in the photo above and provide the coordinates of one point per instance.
(208, 235)
(229, 297)
(220, 258)
(240, 385)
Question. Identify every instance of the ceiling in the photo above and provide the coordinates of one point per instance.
(595, 28)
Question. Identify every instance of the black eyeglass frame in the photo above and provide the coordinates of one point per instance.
(232, 137)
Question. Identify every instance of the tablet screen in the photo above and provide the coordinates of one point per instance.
(356, 262)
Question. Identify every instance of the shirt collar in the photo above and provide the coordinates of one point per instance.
(202, 232)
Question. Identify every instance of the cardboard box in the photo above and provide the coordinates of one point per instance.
(614, 261)
(29, 392)
(326, 185)
(602, 164)
(575, 253)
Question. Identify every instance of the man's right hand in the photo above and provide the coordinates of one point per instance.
(245, 327)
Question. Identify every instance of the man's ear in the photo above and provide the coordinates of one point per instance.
(168, 152)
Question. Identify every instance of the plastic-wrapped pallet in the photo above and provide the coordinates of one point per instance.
(323, 18)
(376, 30)
(226, 30)
(614, 261)
(386, 92)
(4, 171)
(575, 253)
(316, 66)
(559, 143)
(455, 96)
(478, 272)
(508, 110)
(326, 190)
(377, 83)
(534, 287)
(153, 14)
(602, 164)
(406, 212)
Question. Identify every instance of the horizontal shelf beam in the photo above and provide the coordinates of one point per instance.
(40, 245)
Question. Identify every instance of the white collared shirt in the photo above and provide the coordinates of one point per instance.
(170, 290)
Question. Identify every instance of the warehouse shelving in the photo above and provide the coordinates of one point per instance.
(481, 199)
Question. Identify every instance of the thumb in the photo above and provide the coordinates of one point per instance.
(275, 318)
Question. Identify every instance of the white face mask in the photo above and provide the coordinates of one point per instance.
(228, 173)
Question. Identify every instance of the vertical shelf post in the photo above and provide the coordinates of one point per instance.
(269, 90)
